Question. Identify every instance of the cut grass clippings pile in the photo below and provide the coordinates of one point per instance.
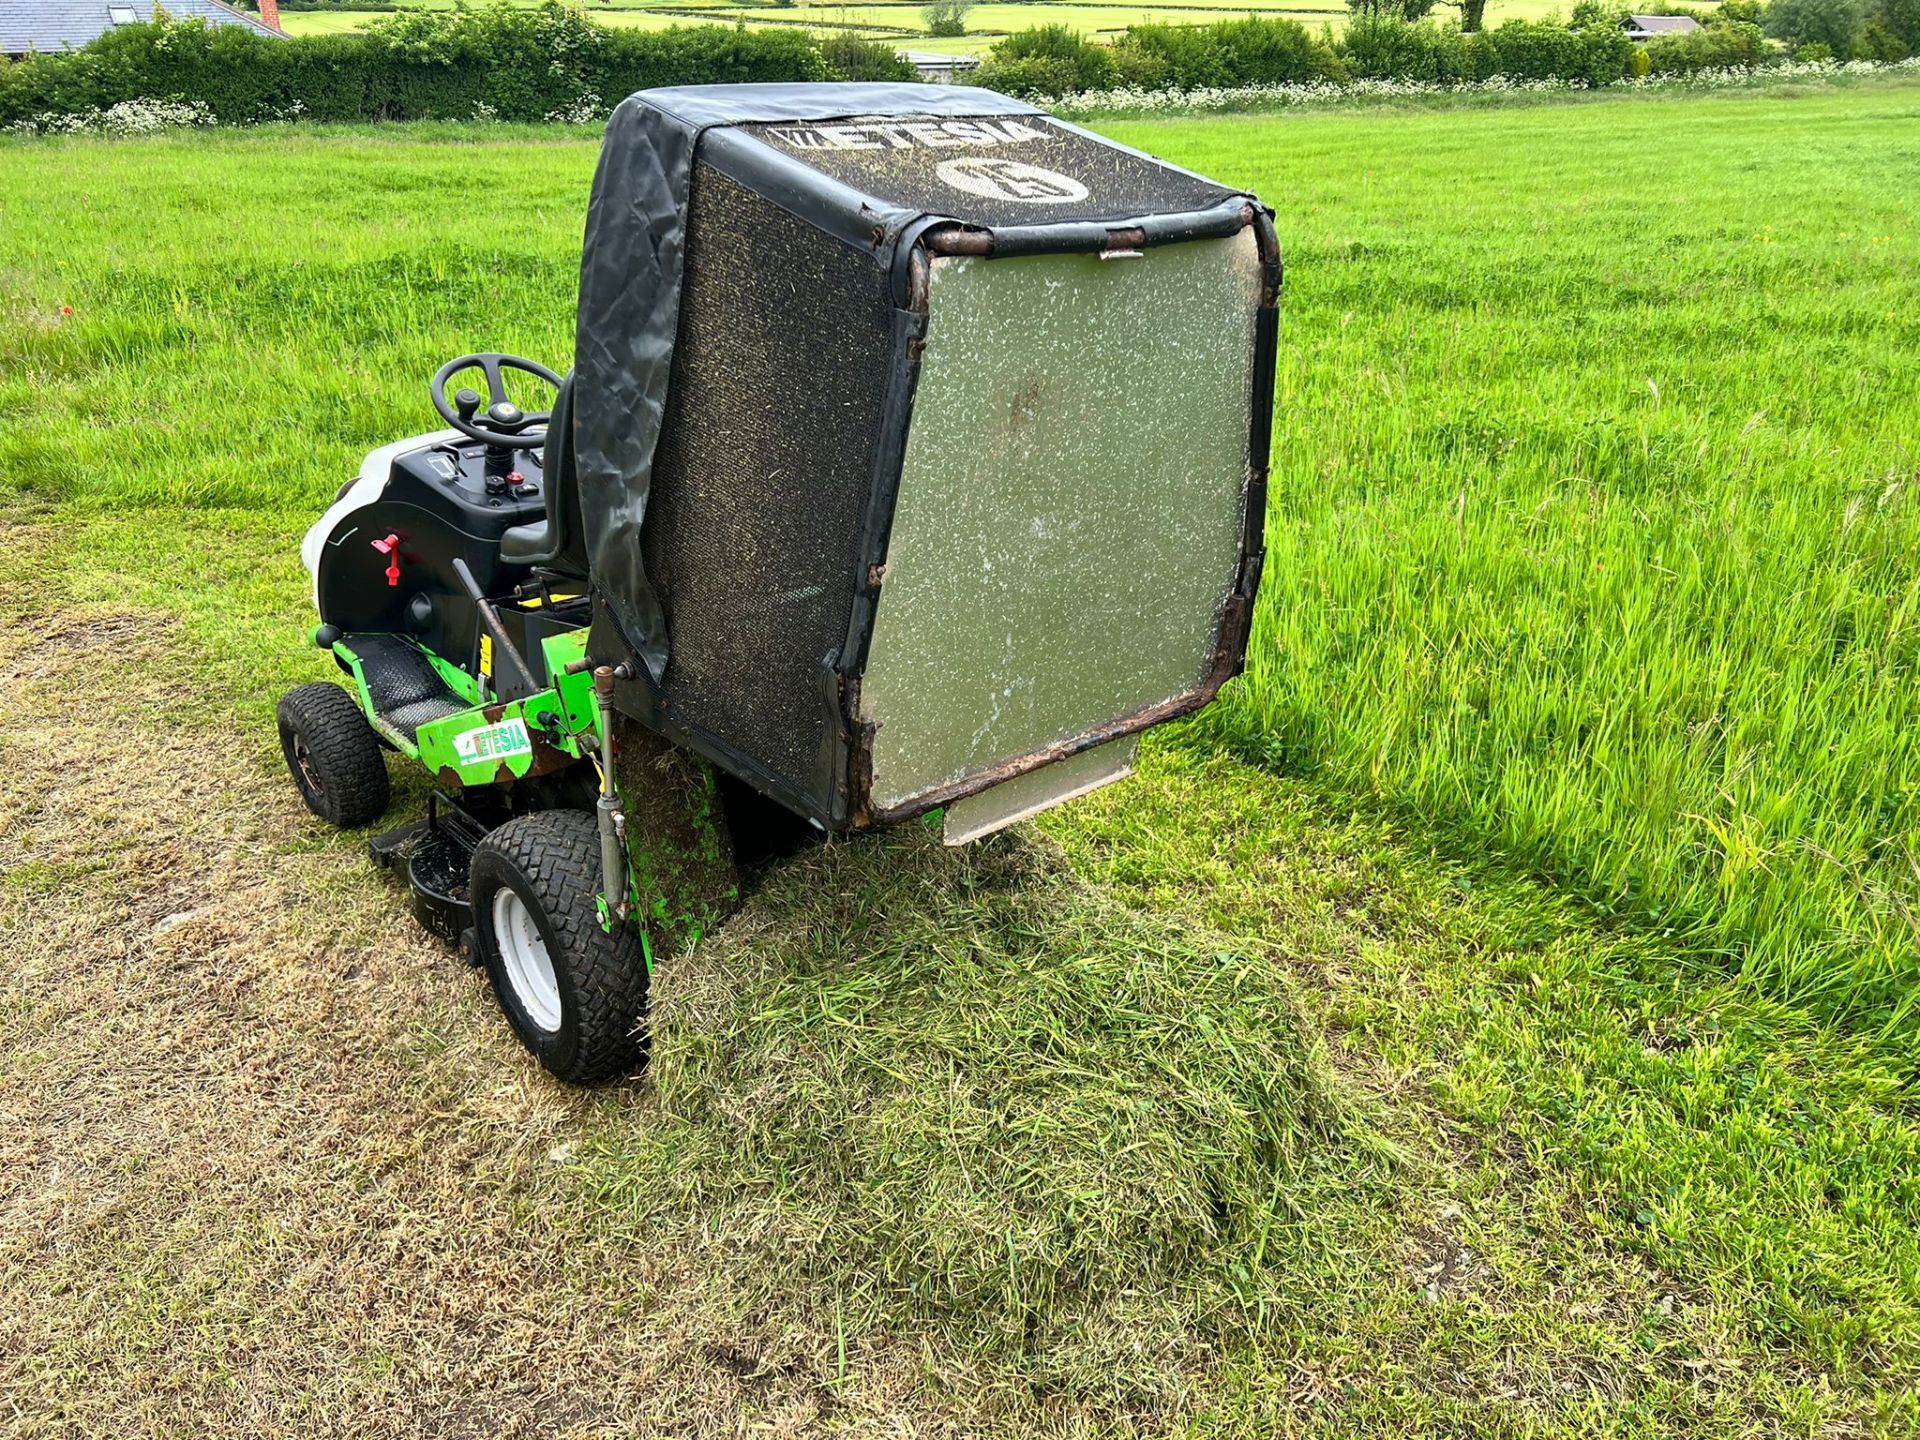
(963, 1088)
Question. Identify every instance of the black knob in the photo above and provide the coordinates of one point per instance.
(467, 402)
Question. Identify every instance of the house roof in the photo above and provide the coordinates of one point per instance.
(53, 25)
(1645, 24)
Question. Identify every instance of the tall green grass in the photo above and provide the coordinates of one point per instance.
(1596, 507)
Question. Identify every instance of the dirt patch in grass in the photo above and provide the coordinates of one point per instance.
(268, 1163)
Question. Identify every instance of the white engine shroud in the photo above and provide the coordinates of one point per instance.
(368, 486)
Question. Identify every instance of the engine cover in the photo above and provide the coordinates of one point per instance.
(429, 494)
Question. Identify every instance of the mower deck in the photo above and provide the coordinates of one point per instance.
(435, 853)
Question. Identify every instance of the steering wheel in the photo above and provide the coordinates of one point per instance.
(507, 425)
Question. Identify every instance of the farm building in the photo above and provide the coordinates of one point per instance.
(940, 69)
(49, 26)
(1645, 27)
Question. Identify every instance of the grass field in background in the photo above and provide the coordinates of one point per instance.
(986, 22)
(902, 24)
(899, 25)
(1271, 1093)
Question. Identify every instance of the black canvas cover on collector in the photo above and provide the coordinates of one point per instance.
(870, 163)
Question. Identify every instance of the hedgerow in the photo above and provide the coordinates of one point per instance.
(1380, 44)
(1054, 60)
(554, 64)
(1715, 47)
(1251, 51)
(511, 64)
(1049, 60)
(1319, 94)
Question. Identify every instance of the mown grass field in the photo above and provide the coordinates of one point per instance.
(901, 22)
(1299, 1087)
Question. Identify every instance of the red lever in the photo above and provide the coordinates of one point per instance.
(390, 547)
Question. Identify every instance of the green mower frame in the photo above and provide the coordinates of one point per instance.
(655, 873)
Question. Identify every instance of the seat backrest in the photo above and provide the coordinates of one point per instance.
(563, 486)
(556, 544)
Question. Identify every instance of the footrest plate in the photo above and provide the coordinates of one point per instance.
(404, 688)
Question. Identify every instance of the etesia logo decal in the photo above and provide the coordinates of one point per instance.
(907, 134)
(493, 742)
(999, 179)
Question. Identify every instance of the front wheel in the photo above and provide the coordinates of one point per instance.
(575, 994)
(333, 755)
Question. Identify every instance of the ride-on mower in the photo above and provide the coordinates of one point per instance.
(913, 460)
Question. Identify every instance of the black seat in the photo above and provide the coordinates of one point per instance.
(554, 543)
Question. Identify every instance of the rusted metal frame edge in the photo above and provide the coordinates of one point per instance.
(1237, 623)
(953, 238)
(851, 758)
(1185, 703)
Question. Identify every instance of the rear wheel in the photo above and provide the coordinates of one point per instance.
(333, 755)
(575, 994)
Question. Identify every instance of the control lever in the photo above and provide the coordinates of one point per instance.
(467, 403)
(390, 547)
(490, 618)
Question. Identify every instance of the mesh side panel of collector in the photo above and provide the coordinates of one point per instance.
(763, 470)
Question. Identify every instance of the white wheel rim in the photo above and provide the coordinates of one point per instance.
(523, 954)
